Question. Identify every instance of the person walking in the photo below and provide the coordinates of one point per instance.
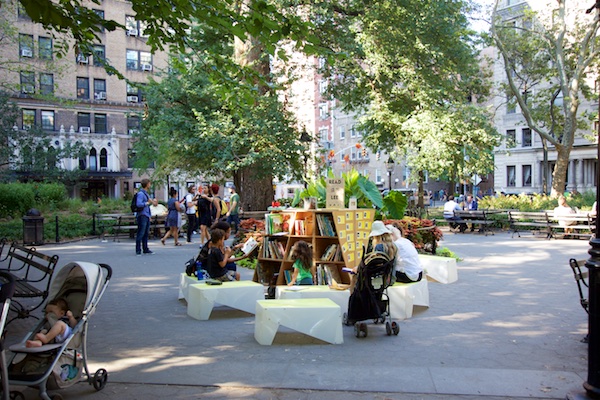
(143, 202)
(191, 201)
(233, 217)
(172, 222)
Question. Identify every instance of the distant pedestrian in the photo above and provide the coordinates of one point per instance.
(233, 217)
(143, 201)
(191, 201)
(172, 221)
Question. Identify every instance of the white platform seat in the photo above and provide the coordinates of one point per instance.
(339, 297)
(403, 296)
(184, 283)
(319, 318)
(241, 295)
(440, 269)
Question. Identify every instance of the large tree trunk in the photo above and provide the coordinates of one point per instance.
(256, 193)
(559, 175)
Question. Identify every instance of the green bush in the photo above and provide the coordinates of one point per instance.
(16, 199)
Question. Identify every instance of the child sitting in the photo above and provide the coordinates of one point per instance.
(303, 266)
(56, 310)
(218, 255)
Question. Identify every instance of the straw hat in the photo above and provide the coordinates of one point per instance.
(378, 229)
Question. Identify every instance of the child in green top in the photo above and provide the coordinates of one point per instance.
(303, 264)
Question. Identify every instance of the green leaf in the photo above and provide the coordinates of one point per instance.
(370, 191)
(395, 204)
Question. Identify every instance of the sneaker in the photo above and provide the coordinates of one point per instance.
(138, 254)
(149, 252)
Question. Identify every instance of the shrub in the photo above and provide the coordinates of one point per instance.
(420, 238)
(535, 202)
(16, 199)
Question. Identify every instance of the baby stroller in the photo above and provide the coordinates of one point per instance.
(369, 300)
(59, 365)
(6, 293)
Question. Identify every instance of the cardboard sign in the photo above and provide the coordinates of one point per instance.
(335, 193)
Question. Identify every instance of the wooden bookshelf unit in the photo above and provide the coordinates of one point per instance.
(337, 238)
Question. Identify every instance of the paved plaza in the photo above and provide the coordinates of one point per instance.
(509, 328)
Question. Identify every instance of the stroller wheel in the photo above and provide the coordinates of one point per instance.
(395, 328)
(388, 329)
(17, 396)
(100, 378)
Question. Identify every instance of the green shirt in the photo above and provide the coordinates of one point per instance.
(235, 198)
(302, 273)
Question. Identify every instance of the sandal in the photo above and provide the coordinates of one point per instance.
(178, 244)
(162, 241)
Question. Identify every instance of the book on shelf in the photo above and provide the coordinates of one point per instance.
(274, 223)
(325, 225)
(299, 227)
(288, 275)
(273, 249)
(330, 253)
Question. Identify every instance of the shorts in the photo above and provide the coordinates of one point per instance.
(227, 277)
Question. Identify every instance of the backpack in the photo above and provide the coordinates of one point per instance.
(133, 206)
(192, 265)
(224, 208)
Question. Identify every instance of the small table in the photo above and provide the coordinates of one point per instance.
(340, 297)
(440, 269)
(241, 295)
(319, 318)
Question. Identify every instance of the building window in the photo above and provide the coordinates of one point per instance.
(138, 60)
(353, 153)
(342, 132)
(323, 110)
(511, 105)
(103, 159)
(45, 48)
(47, 120)
(133, 124)
(28, 119)
(526, 137)
(510, 176)
(134, 27)
(100, 14)
(526, 175)
(83, 88)
(93, 160)
(46, 83)
(22, 13)
(83, 122)
(342, 156)
(510, 138)
(100, 89)
(26, 45)
(323, 86)
(352, 131)
(378, 177)
(99, 55)
(27, 82)
(100, 123)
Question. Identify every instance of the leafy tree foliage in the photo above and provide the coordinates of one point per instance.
(410, 67)
(547, 57)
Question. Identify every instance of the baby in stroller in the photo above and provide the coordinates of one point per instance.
(62, 321)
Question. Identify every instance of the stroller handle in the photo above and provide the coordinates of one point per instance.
(108, 270)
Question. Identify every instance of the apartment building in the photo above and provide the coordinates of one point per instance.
(519, 160)
(74, 99)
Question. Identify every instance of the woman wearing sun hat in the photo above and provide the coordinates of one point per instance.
(382, 241)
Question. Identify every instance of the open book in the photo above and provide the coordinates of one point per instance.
(249, 246)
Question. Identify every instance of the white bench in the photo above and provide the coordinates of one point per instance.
(440, 269)
(184, 283)
(339, 297)
(403, 296)
(319, 318)
(241, 295)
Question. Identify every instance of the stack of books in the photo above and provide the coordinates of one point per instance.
(273, 249)
(333, 252)
(326, 226)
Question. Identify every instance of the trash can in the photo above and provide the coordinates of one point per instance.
(33, 228)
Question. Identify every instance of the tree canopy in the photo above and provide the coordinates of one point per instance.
(547, 56)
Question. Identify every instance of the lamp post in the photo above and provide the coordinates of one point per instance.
(389, 166)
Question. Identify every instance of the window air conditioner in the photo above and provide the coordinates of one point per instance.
(132, 32)
(101, 96)
(146, 67)
(84, 129)
(132, 131)
(103, 169)
(81, 59)
(26, 52)
(132, 99)
(29, 89)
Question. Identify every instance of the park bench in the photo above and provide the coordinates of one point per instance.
(32, 272)
(581, 278)
(477, 217)
(127, 223)
(537, 221)
(579, 224)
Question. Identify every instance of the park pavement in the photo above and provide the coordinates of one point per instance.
(509, 328)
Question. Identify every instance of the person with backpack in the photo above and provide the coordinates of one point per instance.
(233, 217)
(143, 202)
(219, 210)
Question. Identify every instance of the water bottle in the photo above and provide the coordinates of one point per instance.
(199, 271)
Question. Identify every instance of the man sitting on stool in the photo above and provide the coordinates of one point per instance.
(449, 208)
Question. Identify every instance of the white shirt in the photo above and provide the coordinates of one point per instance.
(407, 259)
(188, 199)
(449, 208)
